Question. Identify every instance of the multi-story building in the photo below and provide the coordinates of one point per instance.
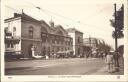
(91, 42)
(77, 41)
(92, 46)
(22, 32)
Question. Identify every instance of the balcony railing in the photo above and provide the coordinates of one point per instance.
(14, 39)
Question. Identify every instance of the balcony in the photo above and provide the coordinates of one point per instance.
(13, 39)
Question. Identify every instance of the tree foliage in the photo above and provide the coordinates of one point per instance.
(119, 23)
(102, 46)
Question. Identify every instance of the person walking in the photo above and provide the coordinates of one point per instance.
(116, 58)
(33, 51)
(109, 61)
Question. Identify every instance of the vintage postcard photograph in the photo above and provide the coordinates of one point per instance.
(64, 40)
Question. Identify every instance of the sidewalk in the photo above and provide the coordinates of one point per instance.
(103, 71)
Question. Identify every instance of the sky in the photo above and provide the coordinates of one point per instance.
(88, 16)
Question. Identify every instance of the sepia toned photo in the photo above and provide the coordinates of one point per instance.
(63, 38)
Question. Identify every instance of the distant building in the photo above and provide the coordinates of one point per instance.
(77, 41)
(91, 42)
(91, 46)
(22, 32)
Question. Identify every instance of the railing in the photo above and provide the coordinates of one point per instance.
(14, 39)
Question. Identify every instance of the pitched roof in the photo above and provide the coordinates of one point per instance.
(51, 30)
(23, 16)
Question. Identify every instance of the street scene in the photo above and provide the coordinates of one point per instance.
(77, 66)
(63, 38)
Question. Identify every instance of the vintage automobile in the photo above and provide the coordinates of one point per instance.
(13, 55)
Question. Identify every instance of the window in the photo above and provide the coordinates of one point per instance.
(78, 39)
(31, 32)
(8, 45)
(58, 48)
(14, 31)
(12, 46)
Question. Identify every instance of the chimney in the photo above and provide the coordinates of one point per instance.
(16, 15)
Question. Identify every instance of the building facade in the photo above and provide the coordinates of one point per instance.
(77, 41)
(22, 32)
(92, 46)
(91, 42)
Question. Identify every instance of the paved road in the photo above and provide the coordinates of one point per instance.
(74, 66)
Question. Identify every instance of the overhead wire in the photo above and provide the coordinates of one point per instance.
(78, 22)
(47, 11)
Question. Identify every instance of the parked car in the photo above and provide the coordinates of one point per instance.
(13, 55)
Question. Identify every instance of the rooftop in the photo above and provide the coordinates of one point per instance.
(23, 16)
(41, 22)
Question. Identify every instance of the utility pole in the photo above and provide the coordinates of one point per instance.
(90, 45)
(115, 29)
(116, 43)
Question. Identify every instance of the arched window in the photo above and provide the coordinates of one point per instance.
(44, 34)
(30, 32)
(14, 31)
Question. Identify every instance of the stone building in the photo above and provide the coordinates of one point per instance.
(22, 32)
(77, 41)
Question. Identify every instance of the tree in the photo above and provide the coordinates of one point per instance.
(119, 23)
(102, 46)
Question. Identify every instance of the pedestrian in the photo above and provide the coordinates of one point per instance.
(104, 55)
(101, 54)
(33, 51)
(116, 58)
(47, 57)
(109, 61)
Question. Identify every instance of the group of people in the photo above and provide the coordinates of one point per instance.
(111, 60)
(34, 54)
